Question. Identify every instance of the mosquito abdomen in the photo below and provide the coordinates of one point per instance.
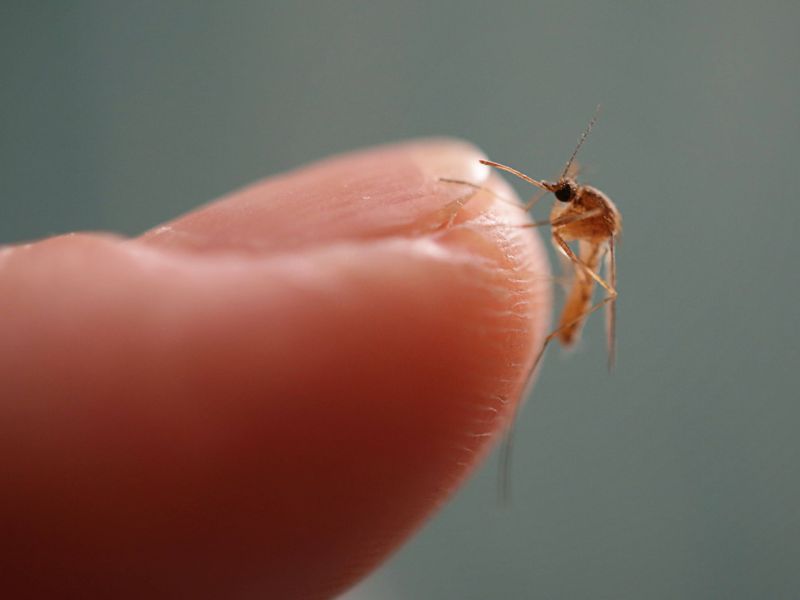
(579, 297)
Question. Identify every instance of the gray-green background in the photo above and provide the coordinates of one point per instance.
(677, 477)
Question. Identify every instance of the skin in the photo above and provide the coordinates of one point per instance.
(267, 396)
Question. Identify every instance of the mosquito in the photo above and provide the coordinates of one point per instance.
(585, 215)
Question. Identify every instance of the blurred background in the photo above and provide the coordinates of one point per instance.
(675, 477)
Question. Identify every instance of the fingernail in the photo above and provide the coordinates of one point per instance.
(368, 194)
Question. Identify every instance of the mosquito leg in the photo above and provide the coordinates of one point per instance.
(563, 220)
(526, 207)
(482, 189)
(506, 452)
(562, 245)
(507, 447)
(610, 298)
(445, 217)
(611, 311)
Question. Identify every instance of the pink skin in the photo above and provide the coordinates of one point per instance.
(265, 397)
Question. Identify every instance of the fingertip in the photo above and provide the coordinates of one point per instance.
(273, 391)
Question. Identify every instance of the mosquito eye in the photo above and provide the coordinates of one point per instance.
(564, 194)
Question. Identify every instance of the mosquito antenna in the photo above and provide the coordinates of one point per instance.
(584, 135)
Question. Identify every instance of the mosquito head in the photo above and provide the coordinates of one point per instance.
(565, 189)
